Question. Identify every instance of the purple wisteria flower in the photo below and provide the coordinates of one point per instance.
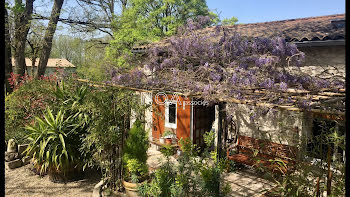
(222, 64)
(268, 83)
(283, 86)
(215, 76)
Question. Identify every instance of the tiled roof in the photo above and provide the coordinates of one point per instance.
(52, 62)
(331, 27)
(302, 29)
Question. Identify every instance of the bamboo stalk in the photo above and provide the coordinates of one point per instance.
(318, 187)
(329, 173)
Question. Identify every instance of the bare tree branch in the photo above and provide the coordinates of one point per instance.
(95, 26)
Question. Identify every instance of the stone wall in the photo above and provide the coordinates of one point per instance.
(146, 98)
(324, 61)
(283, 127)
(15, 156)
(288, 127)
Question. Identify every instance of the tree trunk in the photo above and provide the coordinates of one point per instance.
(35, 49)
(33, 65)
(47, 42)
(8, 60)
(22, 25)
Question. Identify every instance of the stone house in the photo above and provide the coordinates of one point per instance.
(322, 41)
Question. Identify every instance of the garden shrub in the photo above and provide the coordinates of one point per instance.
(110, 111)
(193, 176)
(55, 141)
(59, 133)
(302, 182)
(135, 153)
(24, 103)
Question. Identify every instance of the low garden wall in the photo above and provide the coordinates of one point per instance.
(15, 156)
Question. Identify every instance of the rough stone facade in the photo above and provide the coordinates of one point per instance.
(282, 127)
(287, 127)
(324, 61)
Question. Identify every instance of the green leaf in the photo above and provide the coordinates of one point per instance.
(40, 121)
(62, 141)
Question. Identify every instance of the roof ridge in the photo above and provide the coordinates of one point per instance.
(299, 29)
(286, 20)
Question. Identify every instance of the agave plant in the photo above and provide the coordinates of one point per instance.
(55, 140)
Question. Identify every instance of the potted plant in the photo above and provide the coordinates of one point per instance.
(168, 136)
(54, 146)
(134, 158)
(162, 140)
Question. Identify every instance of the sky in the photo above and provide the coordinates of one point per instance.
(254, 11)
(248, 11)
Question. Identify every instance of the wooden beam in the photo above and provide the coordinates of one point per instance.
(100, 84)
(233, 100)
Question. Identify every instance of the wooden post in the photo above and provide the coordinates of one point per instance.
(220, 130)
(329, 183)
(225, 126)
(329, 172)
(318, 187)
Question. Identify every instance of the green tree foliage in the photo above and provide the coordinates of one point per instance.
(229, 21)
(70, 48)
(145, 21)
(87, 55)
(94, 64)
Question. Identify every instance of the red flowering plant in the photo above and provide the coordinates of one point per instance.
(17, 81)
(29, 99)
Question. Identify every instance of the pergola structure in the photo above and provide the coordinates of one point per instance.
(325, 96)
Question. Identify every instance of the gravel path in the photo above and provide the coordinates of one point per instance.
(22, 182)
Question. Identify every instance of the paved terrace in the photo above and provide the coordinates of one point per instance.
(243, 182)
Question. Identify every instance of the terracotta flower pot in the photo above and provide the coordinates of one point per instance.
(131, 188)
(161, 140)
(71, 174)
(168, 141)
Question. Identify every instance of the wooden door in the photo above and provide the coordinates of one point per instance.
(203, 117)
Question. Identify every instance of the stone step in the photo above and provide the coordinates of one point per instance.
(11, 146)
(10, 156)
(21, 149)
(14, 164)
(26, 160)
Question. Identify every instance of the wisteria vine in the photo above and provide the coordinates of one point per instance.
(221, 66)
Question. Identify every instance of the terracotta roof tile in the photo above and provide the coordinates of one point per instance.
(330, 27)
(52, 62)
